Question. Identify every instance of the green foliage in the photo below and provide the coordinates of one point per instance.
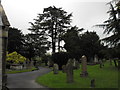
(112, 25)
(107, 77)
(60, 58)
(15, 58)
(14, 40)
(81, 44)
(52, 23)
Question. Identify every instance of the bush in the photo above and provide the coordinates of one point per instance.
(60, 58)
(15, 58)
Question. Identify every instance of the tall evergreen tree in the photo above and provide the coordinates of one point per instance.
(112, 25)
(15, 40)
(53, 22)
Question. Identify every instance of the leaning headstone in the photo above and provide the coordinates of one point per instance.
(92, 83)
(55, 68)
(84, 66)
(69, 71)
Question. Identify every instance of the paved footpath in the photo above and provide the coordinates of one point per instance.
(27, 79)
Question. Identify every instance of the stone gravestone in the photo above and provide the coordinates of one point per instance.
(24, 65)
(84, 66)
(69, 71)
(55, 68)
(95, 59)
(92, 83)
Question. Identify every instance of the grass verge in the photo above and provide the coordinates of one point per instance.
(106, 77)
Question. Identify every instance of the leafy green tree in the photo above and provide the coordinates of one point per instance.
(53, 23)
(71, 39)
(15, 58)
(14, 40)
(27, 49)
(90, 44)
(82, 44)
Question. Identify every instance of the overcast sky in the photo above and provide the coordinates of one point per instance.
(86, 13)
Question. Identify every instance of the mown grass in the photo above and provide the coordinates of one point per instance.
(20, 71)
(106, 77)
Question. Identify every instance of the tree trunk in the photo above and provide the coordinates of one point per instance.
(58, 44)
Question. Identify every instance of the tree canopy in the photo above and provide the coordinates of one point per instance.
(53, 23)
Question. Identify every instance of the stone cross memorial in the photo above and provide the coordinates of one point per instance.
(69, 71)
(84, 66)
(4, 25)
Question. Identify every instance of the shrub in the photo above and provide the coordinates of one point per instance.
(15, 58)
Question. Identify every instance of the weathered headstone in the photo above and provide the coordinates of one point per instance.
(24, 65)
(84, 66)
(95, 59)
(69, 71)
(92, 83)
(55, 68)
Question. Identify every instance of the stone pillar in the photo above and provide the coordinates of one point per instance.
(0, 56)
(4, 25)
(84, 67)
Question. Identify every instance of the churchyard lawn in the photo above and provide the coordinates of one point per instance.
(106, 77)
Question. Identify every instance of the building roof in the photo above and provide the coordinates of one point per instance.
(3, 18)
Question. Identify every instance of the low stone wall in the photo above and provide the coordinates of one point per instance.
(16, 67)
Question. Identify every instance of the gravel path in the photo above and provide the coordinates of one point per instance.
(27, 79)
